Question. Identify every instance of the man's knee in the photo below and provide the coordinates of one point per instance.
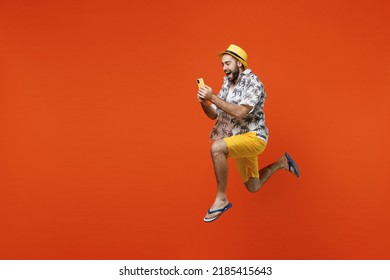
(253, 184)
(219, 148)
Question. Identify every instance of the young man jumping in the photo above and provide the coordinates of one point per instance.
(240, 131)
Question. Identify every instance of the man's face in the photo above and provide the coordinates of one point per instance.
(230, 67)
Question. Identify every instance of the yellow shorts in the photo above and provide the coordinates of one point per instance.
(245, 148)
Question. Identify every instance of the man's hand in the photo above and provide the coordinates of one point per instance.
(200, 99)
(205, 93)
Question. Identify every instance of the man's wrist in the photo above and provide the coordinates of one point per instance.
(212, 98)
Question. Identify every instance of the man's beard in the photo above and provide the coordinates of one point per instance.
(235, 75)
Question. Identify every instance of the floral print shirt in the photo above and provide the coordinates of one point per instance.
(248, 91)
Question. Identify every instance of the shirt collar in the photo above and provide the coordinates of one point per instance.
(246, 71)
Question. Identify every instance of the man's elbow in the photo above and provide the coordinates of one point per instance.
(241, 114)
(213, 116)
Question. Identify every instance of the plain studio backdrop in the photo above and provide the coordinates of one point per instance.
(104, 149)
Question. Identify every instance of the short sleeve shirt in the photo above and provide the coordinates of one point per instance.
(248, 91)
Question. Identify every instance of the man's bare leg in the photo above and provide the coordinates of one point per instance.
(254, 184)
(219, 153)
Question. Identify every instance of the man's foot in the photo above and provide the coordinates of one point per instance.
(218, 208)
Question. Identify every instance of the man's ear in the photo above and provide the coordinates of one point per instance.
(239, 64)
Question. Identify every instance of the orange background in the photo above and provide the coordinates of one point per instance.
(104, 147)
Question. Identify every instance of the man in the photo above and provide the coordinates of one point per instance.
(240, 131)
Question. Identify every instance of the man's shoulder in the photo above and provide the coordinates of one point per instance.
(252, 77)
(249, 73)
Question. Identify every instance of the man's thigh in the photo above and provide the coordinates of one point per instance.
(247, 168)
(246, 145)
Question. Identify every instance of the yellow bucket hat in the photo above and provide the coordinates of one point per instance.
(237, 53)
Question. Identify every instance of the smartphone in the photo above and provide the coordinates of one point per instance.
(200, 82)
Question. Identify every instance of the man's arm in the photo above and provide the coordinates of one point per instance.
(209, 111)
(237, 111)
